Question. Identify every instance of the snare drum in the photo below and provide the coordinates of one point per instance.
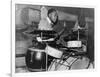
(54, 52)
(74, 44)
(36, 59)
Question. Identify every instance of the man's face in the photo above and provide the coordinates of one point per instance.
(53, 16)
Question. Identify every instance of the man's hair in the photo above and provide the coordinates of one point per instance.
(51, 10)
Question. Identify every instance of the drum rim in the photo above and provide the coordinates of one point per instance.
(36, 50)
(37, 70)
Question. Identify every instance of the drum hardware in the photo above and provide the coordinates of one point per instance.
(54, 53)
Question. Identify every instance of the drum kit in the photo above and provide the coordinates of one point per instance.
(48, 55)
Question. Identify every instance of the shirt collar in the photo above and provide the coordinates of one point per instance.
(49, 20)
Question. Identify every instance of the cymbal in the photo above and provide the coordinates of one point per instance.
(42, 31)
(80, 29)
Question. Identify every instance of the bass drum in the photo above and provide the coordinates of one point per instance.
(36, 60)
(71, 63)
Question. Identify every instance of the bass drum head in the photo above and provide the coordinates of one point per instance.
(80, 64)
(70, 64)
(35, 60)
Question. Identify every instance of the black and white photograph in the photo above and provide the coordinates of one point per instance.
(53, 38)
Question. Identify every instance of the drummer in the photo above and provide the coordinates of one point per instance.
(49, 19)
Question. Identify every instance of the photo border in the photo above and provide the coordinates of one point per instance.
(13, 37)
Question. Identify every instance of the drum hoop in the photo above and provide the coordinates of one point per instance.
(38, 50)
(36, 69)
